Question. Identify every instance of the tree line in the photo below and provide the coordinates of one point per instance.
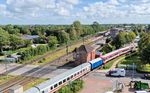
(48, 34)
(144, 47)
(119, 41)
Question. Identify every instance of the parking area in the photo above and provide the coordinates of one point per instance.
(97, 82)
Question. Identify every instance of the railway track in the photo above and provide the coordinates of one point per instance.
(34, 72)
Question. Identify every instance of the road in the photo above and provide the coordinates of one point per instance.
(97, 82)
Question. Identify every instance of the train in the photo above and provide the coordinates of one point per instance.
(54, 84)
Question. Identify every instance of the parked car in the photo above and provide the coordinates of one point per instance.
(116, 72)
(147, 76)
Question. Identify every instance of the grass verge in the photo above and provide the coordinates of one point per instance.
(110, 63)
(34, 82)
(5, 78)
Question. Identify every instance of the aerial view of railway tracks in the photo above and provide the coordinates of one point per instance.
(74, 46)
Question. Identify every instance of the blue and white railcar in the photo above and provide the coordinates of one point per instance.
(96, 63)
(57, 82)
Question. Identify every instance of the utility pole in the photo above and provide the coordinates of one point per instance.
(83, 40)
(133, 65)
(67, 48)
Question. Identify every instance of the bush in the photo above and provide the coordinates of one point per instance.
(73, 87)
(31, 52)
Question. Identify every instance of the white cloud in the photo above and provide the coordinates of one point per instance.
(35, 8)
(116, 9)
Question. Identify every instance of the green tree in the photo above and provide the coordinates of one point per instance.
(11, 30)
(63, 37)
(25, 30)
(145, 54)
(15, 41)
(52, 41)
(96, 26)
(72, 33)
(78, 27)
(4, 40)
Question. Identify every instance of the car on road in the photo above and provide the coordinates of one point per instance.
(118, 72)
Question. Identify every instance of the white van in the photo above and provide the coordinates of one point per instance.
(116, 72)
(141, 92)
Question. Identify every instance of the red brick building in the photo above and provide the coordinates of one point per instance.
(83, 54)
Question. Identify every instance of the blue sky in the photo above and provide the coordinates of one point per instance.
(67, 11)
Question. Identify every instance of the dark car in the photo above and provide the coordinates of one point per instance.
(147, 76)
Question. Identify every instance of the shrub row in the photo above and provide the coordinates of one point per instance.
(72, 87)
(31, 52)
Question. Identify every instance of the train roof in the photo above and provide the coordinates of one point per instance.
(32, 90)
(59, 78)
(108, 54)
(95, 60)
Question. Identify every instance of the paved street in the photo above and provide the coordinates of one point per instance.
(97, 82)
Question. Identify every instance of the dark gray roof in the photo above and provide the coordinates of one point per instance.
(29, 37)
(86, 48)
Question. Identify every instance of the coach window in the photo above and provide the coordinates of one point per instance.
(51, 88)
(75, 74)
(64, 80)
(68, 78)
(78, 72)
(60, 83)
(43, 92)
(71, 76)
(55, 85)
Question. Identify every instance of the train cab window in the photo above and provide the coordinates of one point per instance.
(55, 85)
(64, 80)
(51, 88)
(60, 83)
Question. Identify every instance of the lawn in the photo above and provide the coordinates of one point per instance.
(131, 59)
(141, 67)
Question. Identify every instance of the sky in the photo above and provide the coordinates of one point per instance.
(67, 11)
